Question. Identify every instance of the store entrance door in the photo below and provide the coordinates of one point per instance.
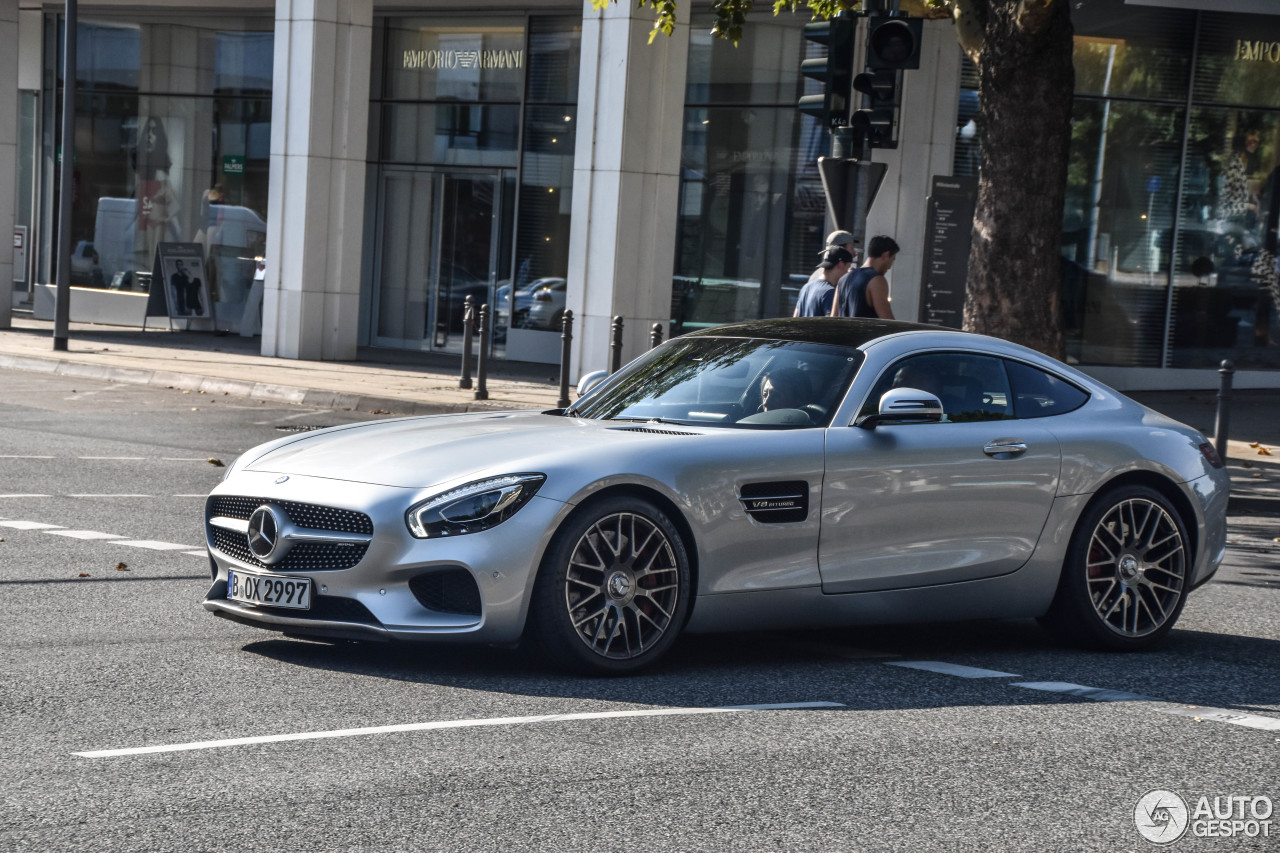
(437, 244)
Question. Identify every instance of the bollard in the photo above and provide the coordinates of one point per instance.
(1222, 422)
(615, 345)
(468, 328)
(482, 372)
(655, 335)
(566, 340)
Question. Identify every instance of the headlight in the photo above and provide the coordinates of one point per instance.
(474, 507)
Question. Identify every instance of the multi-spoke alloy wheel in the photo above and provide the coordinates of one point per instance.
(1137, 567)
(622, 586)
(1127, 572)
(614, 588)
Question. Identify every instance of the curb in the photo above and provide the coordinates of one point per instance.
(247, 388)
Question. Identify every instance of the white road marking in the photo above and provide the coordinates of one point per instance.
(83, 534)
(108, 496)
(192, 496)
(29, 525)
(451, 724)
(197, 553)
(153, 545)
(26, 496)
(951, 669)
(117, 458)
(1098, 694)
(183, 459)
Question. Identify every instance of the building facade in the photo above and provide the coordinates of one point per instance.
(387, 161)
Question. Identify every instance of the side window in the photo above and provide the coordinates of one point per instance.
(971, 387)
(1037, 394)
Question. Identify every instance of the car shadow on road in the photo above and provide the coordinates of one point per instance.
(848, 666)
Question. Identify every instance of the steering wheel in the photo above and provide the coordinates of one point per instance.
(816, 413)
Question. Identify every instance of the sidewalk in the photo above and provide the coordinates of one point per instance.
(381, 381)
(403, 383)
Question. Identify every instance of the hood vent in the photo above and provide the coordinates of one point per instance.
(652, 430)
(782, 502)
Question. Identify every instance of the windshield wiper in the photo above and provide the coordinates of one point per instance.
(649, 420)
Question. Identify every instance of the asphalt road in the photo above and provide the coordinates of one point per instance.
(106, 648)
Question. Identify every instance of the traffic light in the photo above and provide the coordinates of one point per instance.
(877, 120)
(834, 72)
(893, 44)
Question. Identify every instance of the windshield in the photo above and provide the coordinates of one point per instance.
(738, 382)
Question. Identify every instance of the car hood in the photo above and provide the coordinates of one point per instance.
(425, 451)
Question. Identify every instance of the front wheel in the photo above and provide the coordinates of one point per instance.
(613, 590)
(1127, 573)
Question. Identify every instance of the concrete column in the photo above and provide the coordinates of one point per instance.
(926, 147)
(315, 209)
(626, 179)
(8, 151)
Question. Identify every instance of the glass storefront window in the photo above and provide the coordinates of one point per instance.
(751, 211)
(1226, 281)
(168, 148)
(1126, 51)
(450, 134)
(1122, 184)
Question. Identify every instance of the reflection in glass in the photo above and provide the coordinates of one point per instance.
(189, 165)
(751, 210)
(1226, 282)
(1117, 230)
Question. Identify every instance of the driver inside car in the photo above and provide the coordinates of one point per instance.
(784, 388)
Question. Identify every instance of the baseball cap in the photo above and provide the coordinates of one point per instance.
(835, 255)
(840, 238)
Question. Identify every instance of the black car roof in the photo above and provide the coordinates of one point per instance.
(841, 331)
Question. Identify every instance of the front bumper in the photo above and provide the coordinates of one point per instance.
(381, 597)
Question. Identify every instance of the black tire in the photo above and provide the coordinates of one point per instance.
(613, 590)
(1127, 573)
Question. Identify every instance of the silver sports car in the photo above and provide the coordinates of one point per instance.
(771, 474)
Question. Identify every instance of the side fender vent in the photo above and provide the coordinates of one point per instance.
(783, 502)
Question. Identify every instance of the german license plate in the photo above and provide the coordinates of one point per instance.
(269, 590)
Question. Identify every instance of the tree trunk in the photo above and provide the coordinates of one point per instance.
(1026, 86)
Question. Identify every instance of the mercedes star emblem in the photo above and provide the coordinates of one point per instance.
(264, 530)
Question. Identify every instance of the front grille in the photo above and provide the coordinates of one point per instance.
(311, 516)
(303, 557)
(447, 591)
(326, 608)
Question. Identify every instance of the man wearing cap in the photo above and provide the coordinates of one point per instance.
(817, 296)
(838, 238)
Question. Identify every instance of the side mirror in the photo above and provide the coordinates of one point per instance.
(904, 406)
(589, 382)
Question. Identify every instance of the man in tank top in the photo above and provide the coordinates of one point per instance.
(864, 292)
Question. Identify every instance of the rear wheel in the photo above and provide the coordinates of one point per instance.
(613, 590)
(1127, 573)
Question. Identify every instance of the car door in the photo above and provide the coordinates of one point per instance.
(929, 503)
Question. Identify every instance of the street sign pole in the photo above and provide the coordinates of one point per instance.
(66, 180)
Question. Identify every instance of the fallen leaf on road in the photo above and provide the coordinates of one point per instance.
(1246, 464)
(122, 567)
(379, 412)
(83, 575)
(215, 462)
(1257, 475)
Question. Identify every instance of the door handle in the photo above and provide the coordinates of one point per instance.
(1005, 447)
